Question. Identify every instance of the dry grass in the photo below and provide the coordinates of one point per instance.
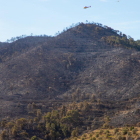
(88, 136)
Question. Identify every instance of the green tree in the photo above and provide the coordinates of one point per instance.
(54, 114)
(33, 138)
(39, 114)
(52, 134)
(74, 114)
(63, 111)
(34, 106)
(22, 122)
(86, 106)
(3, 135)
(39, 127)
(73, 133)
(67, 119)
(9, 125)
(48, 117)
(53, 126)
(64, 129)
(107, 119)
(58, 134)
(36, 119)
(48, 126)
(3, 123)
(74, 105)
(14, 131)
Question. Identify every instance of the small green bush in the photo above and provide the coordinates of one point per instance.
(107, 135)
(129, 133)
(90, 135)
(84, 135)
(33, 138)
(101, 131)
(107, 119)
(73, 133)
(134, 131)
(88, 127)
(120, 138)
(97, 135)
(93, 138)
(105, 126)
(83, 138)
(116, 130)
(118, 134)
(107, 131)
(124, 131)
(24, 134)
(131, 128)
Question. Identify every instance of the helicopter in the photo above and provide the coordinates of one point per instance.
(87, 7)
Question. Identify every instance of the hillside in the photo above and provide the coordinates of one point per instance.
(79, 57)
(85, 62)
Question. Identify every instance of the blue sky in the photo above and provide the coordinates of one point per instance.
(23, 17)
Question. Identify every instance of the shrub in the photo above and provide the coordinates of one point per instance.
(93, 138)
(83, 138)
(118, 134)
(3, 123)
(129, 133)
(90, 135)
(88, 127)
(3, 135)
(33, 138)
(74, 134)
(116, 130)
(120, 138)
(34, 106)
(105, 125)
(134, 131)
(24, 134)
(84, 135)
(39, 114)
(46, 136)
(107, 135)
(107, 119)
(97, 135)
(107, 131)
(14, 131)
(124, 131)
(36, 119)
(101, 131)
(131, 128)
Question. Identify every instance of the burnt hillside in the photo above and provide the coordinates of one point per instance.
(38, 67)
